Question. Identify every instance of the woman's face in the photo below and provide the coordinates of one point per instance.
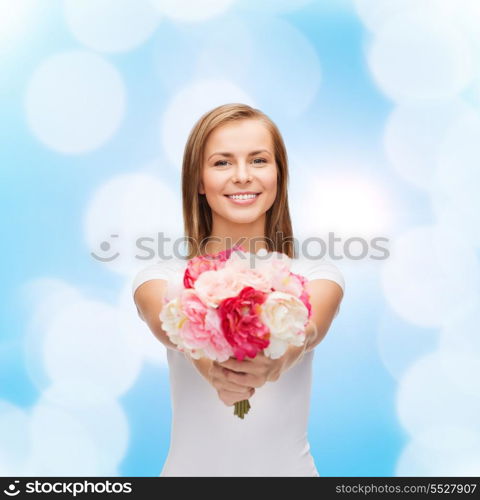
(239, 158)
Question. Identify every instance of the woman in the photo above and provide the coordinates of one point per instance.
(237, 149)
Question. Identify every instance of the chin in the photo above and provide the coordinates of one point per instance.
(242, 218)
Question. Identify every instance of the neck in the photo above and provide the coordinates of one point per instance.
(226, 234)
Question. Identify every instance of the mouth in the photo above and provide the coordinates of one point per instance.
(243, 199)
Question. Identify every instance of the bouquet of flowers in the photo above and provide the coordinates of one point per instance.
(228, 308)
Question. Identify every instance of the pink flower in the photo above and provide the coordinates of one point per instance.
(214, 286)
(241, 323)
(256, 276)
(202, 263)
(197, 266)
(275, 266)
(218, 348)
(202, 333)
(288, 283)
(304, 296)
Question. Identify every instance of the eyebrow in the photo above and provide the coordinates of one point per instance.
(229, 155)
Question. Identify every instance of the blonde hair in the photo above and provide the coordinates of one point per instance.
(197, 215)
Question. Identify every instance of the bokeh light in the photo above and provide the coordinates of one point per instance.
(75, 101)
(111, 25)
(124, 218)
(191, 10)
(186, 107)
(417, 57)
(418, 279)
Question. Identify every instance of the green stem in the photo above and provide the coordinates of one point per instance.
(241, 408)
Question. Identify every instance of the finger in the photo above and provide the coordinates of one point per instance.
(234, 364)
(239, 389)
(242, 379)
(246, 368)
(220, 377)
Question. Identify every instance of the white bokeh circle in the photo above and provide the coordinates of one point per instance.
(75, 101)
(192, 10)
(44, 299)
(61, 445)
(285, 72)
(454, 189)
(273, 6)
(100, 414)
(14, 438)
(459, 346)
(16, 18)
(221, 55)
(430, 271)
(400, 344)
(464, 369)
(124, 218)
(420, 58)
(152, 349)
(414, 133)
(182, 55)
(347, 204)
(375, 13)
(111, 25)
(454, 453)
(188, 105)
(466, 15)
(428, 396)
(460, 330)
(85, 341)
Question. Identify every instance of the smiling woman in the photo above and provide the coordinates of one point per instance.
(234, 186)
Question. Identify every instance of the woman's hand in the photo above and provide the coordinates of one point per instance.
(255, 372)
(228, 391)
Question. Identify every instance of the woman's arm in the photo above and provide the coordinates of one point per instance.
(325, 298)
(148, 298)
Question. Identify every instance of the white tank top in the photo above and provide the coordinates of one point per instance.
(206, 438)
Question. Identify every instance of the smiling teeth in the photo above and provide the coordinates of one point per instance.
(242, 196)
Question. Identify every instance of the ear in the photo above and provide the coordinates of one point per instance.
(200, 189)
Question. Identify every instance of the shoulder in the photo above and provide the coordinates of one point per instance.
(318, 268)
(160, 269)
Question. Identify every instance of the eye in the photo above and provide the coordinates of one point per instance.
(218, 163)
(262, 160)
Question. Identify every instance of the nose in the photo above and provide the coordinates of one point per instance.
(242, 173)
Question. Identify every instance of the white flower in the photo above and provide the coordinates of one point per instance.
(286, 317)
(172, 320)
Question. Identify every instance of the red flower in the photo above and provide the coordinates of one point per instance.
(241, 323)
